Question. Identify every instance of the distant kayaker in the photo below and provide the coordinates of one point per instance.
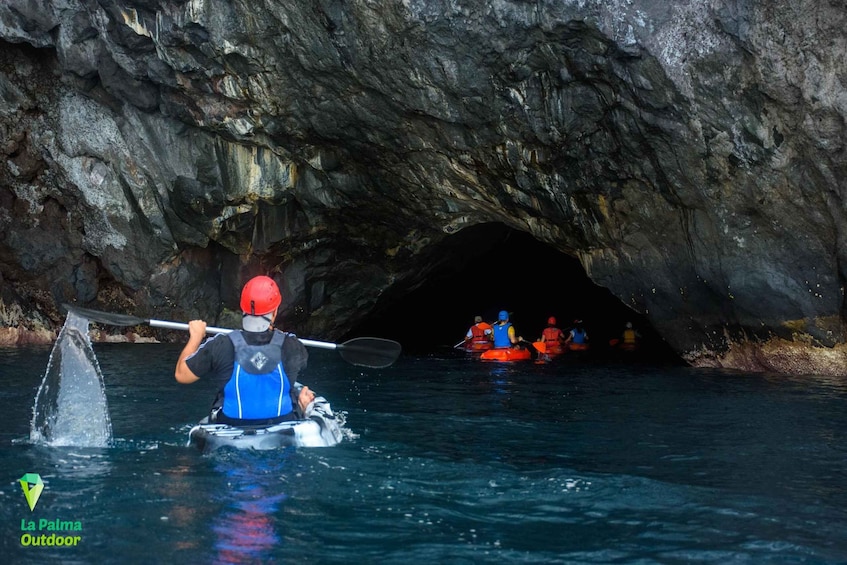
(479, 335)
(503, 331)
(552, 336)
(259, 365)
(577, 337)
(630, 338)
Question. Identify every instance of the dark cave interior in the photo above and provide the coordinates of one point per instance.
(488, 268)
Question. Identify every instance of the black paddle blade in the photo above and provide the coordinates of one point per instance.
(105, 317)
(371, 352)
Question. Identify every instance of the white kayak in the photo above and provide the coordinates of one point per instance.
(319, 428)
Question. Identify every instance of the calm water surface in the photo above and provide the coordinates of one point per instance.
(448, 460)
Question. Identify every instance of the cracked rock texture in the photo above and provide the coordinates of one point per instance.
(689, 153)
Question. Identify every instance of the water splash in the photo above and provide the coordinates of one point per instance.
(70, 407)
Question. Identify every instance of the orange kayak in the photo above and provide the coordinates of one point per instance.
(478, 347)
(506, 354)
(549, 347)
(578, 346)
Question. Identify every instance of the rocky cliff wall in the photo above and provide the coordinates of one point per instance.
(689, 153)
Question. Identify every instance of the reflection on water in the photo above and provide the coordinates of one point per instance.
(226, 506)
(245, 531)
(70, 407)
(500, 378)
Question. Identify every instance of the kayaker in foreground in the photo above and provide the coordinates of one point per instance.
(259, 365)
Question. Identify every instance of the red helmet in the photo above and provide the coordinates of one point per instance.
(260, 296)
(551, 321)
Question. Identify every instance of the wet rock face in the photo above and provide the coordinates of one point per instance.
(691, 154)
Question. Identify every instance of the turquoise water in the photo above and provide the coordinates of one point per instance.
(448, 460)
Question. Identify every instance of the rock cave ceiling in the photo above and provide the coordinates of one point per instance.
(688, 157)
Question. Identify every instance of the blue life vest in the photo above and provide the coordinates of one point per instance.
(578, 335)
(501, 335)
(258, 387)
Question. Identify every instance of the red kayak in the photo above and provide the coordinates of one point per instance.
(506, 354)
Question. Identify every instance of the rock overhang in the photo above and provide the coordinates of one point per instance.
(668, 147)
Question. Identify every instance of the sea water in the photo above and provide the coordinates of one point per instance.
(448, 460)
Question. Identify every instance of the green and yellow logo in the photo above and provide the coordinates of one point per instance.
(32, 486)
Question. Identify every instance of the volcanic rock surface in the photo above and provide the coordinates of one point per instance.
(689, 154)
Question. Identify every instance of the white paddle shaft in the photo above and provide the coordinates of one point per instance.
(214, 330)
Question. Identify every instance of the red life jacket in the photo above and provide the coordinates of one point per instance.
(478, 333)
(552, 334)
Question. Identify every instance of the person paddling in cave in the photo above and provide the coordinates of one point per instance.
(479, 335)
(629, 338)
(504, 335)
(258, 364)
(503, 331)
(577, 339)
(552, 337)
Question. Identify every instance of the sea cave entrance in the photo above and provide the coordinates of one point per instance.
(491, 267)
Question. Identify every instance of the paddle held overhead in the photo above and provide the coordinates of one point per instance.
(373, 352)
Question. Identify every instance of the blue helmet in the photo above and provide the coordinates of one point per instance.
(503, 315)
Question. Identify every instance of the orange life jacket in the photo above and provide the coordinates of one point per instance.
(552, 334)
(478, 333)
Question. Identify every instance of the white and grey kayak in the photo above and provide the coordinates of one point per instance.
(319, 428)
